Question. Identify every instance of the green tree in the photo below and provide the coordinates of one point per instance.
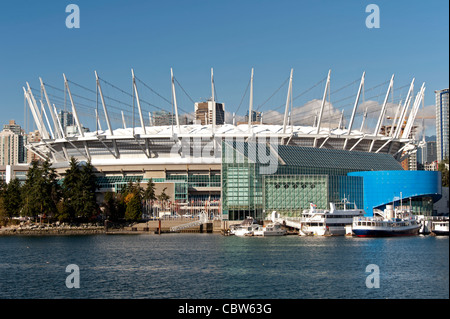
(41, 191)
(88, 185)
(3, 214)
(70, 189)
(149, 195)
(163, 197)
(442, 167)
(12, 198)
(133, 211)
(79, 191)
(50, 188)
(112, 208)
(133, 195)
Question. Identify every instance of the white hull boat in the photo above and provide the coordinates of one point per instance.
(333, 222)
(272, 229)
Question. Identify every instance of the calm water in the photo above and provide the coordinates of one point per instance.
(218, 267)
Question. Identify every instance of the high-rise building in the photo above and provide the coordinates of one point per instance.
(431, 151)
(31, 138)
(13, 149)
(66, 119)
(13, 127)
(256, 117)
(9, 148)
(427, 153)
(161, 118)
(204, 112)
(442, 131)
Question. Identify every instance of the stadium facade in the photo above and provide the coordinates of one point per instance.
(234, 171)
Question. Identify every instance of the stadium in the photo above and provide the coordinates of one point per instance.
(232, 165)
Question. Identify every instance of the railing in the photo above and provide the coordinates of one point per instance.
(203, 218)
(294, 223)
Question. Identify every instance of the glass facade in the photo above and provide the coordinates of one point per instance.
(288, 194)
(199, 184)
(303, 175)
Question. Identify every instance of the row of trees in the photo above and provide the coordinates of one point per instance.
(128, 204)
(44, 195)
(74, 197)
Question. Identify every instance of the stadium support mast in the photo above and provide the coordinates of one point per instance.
(364, 119)
(98, 121)
(404, 109)
(175, 100)
(355, 106)
(383, 108)
(319, 120)
(59, 134)
(250, 104)
(77, 120)
(59, 122)
(74, 110)
(139, 103)
(391, 133)
(38, 117)
(46, 119)
(383, 112)
(28, 96)
(413, 113)
(286, 110)
(213, 101)
(103, 104)
(123, 120)
(150, 118)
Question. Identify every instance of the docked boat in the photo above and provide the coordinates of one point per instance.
(246, 228)
(391, 222)
(440, 226)
(272, 229)
(333, 222)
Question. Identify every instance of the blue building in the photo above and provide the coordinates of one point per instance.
(418, 189)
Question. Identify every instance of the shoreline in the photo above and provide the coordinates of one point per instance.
(51, 231)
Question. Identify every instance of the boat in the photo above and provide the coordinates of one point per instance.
(391, 222)
(440, 226)
(333, 222)
(246, 228)
(272, 229)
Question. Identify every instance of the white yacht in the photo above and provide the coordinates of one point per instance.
(329, 222)
(440, 226)
(246, 228)
(272, 229)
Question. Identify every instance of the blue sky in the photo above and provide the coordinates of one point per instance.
(193, 36)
